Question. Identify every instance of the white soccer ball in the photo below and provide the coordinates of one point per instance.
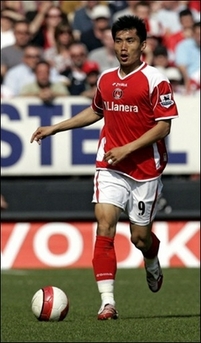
(50, 304)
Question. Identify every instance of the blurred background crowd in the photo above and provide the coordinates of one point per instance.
(59, 48)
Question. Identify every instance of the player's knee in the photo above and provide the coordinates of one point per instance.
(105, 230)
(140, 241)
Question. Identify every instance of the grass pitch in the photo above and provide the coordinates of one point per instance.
(171, 315)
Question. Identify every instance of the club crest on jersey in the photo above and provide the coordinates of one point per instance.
(117, 94)
(166, 100)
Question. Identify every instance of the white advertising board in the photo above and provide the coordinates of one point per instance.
(74, 152)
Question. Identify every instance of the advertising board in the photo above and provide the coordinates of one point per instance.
(74, 152)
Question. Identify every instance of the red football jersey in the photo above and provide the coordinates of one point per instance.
(132, 105)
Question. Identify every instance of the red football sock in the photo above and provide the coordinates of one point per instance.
(104, 260)
(153, 250)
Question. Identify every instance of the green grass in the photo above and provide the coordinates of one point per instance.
(172, 315)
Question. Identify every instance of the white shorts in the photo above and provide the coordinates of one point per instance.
(137, 199)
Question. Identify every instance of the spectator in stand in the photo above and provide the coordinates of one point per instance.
(142, 9)
(101, 18)
(168, 16)
(33, 5)
(105, 56)
(23, 73)
(187, 59)
(161, 62)
(36, 18)
(76, 73)
(155, 31)
(194, 7)
(80, 19)
(43, 88)
(152, 43)
(43, 23)
(128, 10)
(116, 6)
(92, 72)
(187, 21)
(8, 18)
(69, 8)
(161, 58)
(58, 56)
(19, 7)
(12, 55)
(6, 93)
(155, 7)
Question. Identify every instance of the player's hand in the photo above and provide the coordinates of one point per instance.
(41, 133)
(115, 155)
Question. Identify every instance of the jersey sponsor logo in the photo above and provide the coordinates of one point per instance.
(166, 100)
(117, 94)
(112, 106)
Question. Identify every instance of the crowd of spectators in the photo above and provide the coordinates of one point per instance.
(56, 48)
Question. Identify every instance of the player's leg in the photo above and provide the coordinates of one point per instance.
(108, 197)
(146, 241)
(104, 258)
(142, 210)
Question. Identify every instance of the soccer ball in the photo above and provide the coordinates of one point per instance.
(50, 304)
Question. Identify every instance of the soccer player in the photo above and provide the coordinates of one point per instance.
(136, 103)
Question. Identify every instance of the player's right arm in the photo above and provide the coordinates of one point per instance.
(83, 118)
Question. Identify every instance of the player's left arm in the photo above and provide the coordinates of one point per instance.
(156, 133)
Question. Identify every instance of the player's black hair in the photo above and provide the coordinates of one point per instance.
(129, 22)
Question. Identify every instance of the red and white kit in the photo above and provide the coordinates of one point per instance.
(132, 105)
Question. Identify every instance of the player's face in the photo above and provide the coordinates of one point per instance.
(128, 47)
